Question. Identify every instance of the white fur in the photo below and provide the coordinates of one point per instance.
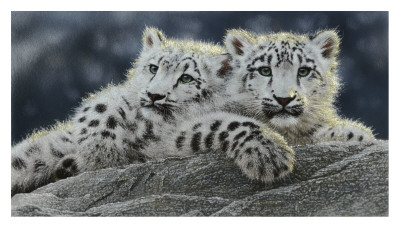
(312, 110)
(123, 124)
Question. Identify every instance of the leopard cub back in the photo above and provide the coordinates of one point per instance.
(117, 125)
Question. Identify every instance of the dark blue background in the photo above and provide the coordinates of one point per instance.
(57, 57)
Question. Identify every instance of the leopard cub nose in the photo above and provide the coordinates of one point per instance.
(284, 100)
(155, 97)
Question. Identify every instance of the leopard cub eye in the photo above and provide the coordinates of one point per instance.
(303, 71)
(185, 78)
(153, 69)
(265, 71)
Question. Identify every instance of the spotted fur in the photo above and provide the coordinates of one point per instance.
(115, 126)
(289, 81)
(33, 160)
(167, 107)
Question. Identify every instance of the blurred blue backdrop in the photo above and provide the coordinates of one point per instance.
(57, 57)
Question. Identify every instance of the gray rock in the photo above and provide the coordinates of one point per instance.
(330, 179)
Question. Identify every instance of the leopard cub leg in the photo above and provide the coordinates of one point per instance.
(258, 151)
(346, 131)
(262, 154)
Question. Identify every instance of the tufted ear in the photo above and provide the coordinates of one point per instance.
(218, 65)
(152, 38)
(225, 67)
(328, 43)
(237, 41)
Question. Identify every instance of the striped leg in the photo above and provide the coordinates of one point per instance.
(259, 152)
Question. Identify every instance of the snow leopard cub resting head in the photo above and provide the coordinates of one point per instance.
(116, 125)
(175, 74)
(289, 81)
(168, 77)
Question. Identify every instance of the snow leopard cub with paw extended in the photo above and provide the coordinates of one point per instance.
(168, 107)
(289, 81)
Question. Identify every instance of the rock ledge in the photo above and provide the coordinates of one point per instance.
(330, 179)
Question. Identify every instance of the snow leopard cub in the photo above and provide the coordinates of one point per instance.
(289, 81)
(168, 107)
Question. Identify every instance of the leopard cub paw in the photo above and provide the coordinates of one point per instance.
(344, 133)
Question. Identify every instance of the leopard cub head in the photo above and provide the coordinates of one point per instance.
(284, 78)
(175, 74)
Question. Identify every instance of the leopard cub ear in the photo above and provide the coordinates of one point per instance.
(224, 64)
(327, 42)
(237, 41)
(218, 65)
(152, 39)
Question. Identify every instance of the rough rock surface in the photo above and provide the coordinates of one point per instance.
(331, 179)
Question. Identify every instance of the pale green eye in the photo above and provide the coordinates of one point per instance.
(303, 71)
(265, 71)
(153, 69)
(185, 78)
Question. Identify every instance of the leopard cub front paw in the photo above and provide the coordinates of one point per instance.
(344, 133)
(266, 157)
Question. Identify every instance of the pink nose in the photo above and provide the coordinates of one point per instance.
(284, 100)
(155, 97)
